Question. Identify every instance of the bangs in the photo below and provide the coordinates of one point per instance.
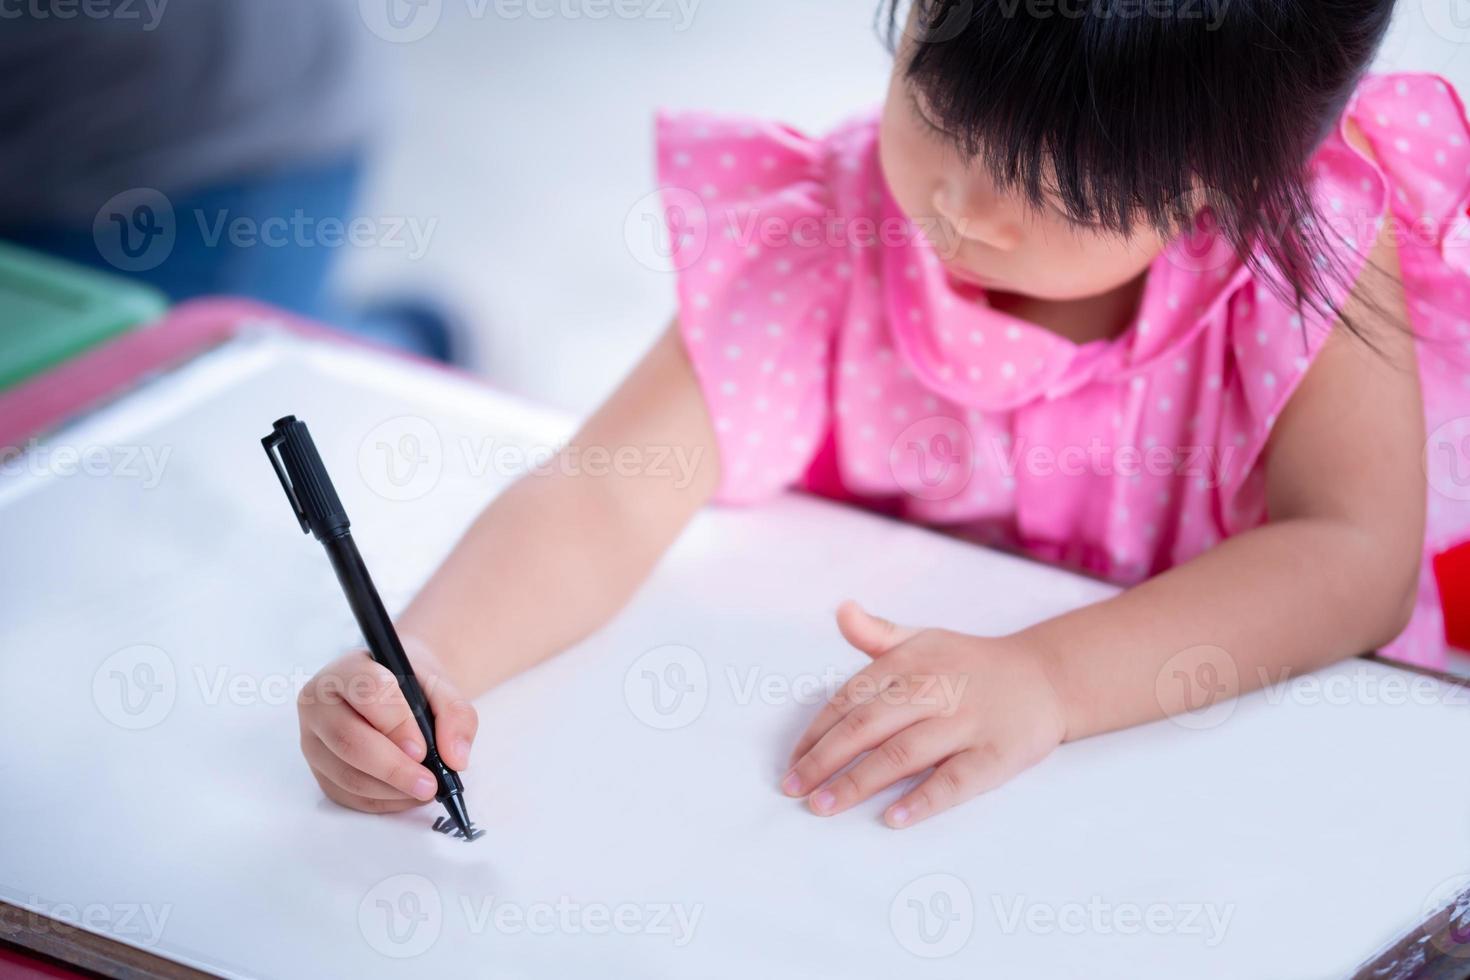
(1121, 112)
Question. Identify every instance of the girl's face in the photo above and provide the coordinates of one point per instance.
(996, 241)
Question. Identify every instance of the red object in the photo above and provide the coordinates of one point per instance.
(18, 965)
(1452, 573)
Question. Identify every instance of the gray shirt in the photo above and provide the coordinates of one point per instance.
(172, 94)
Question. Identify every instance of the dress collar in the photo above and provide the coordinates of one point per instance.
(974, 355)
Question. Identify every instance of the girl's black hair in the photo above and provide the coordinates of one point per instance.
(1133, 108)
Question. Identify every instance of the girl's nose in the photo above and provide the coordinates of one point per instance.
(973, 219)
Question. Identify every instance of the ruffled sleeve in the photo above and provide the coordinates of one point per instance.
(1421, 137)
(1271, 343)
(1418, 129)
(747, 206)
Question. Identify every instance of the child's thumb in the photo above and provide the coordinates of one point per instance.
(871, 634)
(455, 722)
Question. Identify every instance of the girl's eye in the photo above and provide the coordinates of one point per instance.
(1074, 221)
(1062, 214)
(930, 126)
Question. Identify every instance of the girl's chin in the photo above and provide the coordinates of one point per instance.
(965, 281)
(967, 277)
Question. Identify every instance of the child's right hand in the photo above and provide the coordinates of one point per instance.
(361, 741)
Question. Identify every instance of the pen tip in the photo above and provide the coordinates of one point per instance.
(458, 823)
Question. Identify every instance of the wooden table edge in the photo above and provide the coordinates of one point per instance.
(35, 932)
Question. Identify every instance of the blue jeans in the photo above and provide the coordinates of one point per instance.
(282, 267)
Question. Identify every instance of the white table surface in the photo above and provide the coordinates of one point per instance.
(153, 630)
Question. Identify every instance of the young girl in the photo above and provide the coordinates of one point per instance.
(1163, 292)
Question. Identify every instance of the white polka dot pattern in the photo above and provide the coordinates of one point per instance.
(817, 316)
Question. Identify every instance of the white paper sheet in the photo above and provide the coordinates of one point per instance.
(153, 634)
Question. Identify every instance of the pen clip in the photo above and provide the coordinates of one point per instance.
(270, 443)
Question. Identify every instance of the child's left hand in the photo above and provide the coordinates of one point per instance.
(980, 709)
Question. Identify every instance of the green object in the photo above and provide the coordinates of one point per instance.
(51, 310)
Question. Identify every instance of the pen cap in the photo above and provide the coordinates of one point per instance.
(304, 478)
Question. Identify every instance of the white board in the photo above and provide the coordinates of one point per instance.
(1289, 837)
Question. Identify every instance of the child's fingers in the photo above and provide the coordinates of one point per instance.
(860, 689)
(368, 750)
(911, 751)
(353, 782)
(455, 721)
(373, 692)
(863, 728)
(958, 778)
(366, 804)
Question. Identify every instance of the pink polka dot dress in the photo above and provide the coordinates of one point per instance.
(836, 355)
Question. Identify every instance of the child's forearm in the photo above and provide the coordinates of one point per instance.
(555, 556)
(1287, 597)
(1332, 574)
(539, 569)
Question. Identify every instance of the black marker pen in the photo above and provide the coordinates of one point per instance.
(314, 499)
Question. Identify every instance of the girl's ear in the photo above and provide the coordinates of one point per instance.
(871, 634)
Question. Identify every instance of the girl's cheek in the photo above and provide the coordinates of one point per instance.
(891, 157)
(908, 168)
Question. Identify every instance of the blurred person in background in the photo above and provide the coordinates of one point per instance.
(205, 147)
